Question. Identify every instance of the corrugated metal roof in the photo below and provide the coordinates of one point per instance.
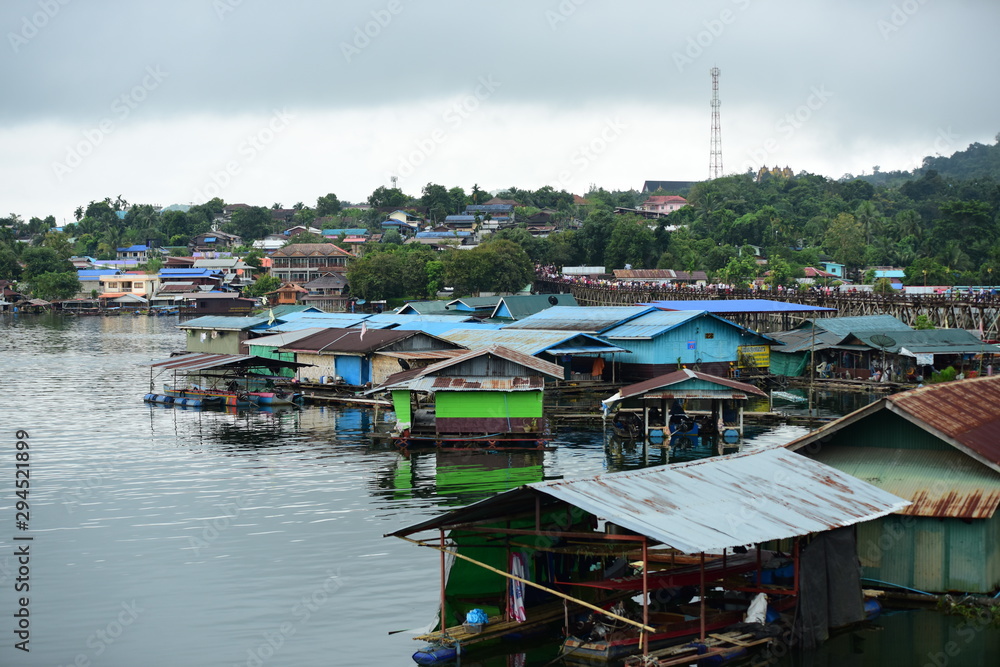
(528, 341)
(583, 319)
(804, 340)
(705, 505)
(424, 354)
(652, 324)
(724, 306)
(349, 341)
(441, 328)
(223, 322)
(200, 362)
(843, 326)
(531, 363)
(677, 379)
(964, 412)
(281, 339)
(929, 341)
(521, 306)
(939, 483)
(433, 384)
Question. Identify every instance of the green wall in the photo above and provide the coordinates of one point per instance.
(480, 404)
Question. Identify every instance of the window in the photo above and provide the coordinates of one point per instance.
(709, 335)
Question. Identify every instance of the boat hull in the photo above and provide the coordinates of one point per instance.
(235, 399)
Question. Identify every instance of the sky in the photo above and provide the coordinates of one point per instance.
(262, 102)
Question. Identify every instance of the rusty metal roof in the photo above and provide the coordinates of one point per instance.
(723, 387)
(965, 413)
(704, 505)
(409, 378)
(347, 341)
(939, 483)
(445, 383)
(199, 362)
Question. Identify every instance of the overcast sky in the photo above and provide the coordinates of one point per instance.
(260, 102)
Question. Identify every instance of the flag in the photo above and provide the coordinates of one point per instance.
(364, 328)
(270, 316)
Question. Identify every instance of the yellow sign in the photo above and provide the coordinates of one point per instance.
(753, 356)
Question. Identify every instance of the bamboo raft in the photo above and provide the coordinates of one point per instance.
(714, 645)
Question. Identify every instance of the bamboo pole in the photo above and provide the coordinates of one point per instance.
(645, 596)
(444, 623)
(559, 594)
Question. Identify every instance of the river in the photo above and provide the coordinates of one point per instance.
(165, 536)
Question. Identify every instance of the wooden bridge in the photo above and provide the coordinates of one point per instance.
(976, 313)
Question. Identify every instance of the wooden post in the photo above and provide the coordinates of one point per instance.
(702, 594)
(444, 623)
(645, 596)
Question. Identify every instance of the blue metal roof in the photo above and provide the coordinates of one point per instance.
(589, 319)
(224, 322)
(356, 231)
(489, 208)
(652, 324)
(441, 328)
(441, 235)
(95, 273)
(737, 306)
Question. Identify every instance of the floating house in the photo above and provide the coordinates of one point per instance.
(662, 341)
(546, 551)
(359, 357)
(490, 397)
(663, 405)
(852, 347)
(220, 334)
(520, 306)
(939, 447)
(582, 356)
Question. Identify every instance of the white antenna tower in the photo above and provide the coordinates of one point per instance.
(715, 156)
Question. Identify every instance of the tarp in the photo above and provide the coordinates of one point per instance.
(791, 365)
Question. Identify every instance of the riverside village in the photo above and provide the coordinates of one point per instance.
(782, 446)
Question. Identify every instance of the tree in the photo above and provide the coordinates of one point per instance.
(741, 270)
(780, 272)
(10, 268)
(384, 197)
(437, 200)
(263, 285)
(392, 237)
(328, 205)
(43, 260)
(252, 223)
(631, 244)
(254, 258)
(845, 240)
(53, 285)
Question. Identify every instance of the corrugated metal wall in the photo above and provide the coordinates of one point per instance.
(689, 342)
(932, 555)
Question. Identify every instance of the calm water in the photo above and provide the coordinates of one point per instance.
(172, 537)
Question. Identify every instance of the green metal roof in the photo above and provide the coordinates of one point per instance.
(929, 341)
(843, 326)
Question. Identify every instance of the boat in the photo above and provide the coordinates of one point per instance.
(222, 380)
(233, 397)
